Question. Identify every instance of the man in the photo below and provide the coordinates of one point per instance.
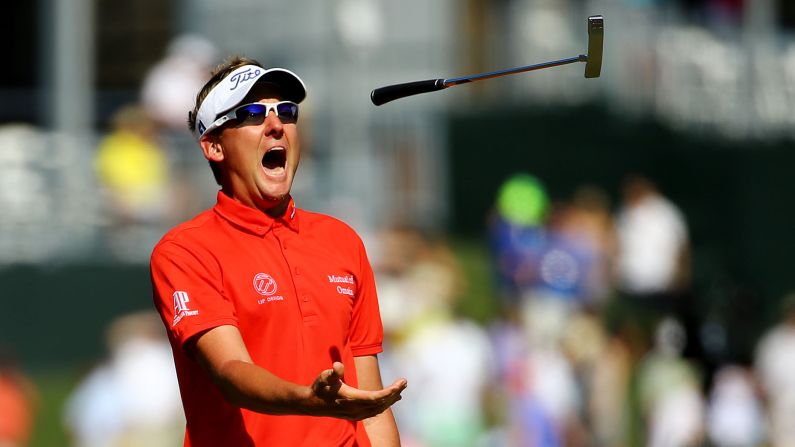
(653, 264)
(271, 310)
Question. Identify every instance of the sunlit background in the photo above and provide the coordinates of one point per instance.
(561, 261)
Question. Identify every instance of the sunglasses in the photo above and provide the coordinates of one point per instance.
(254, 114)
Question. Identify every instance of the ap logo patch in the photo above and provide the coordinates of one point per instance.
(181, 308)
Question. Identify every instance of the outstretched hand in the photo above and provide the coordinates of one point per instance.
(346, 402)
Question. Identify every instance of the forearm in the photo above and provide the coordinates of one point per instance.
(224, 357)
(249, 386)
(222, 353)
(252, 387)
(382, 430)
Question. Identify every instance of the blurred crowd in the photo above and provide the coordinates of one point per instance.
(594, 342)
(145, 160)
(130, 398)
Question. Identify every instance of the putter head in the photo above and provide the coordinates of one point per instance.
(596, 32)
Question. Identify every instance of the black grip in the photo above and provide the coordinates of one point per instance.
(383, 95)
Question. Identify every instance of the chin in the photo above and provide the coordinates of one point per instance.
(275, 198)
(271, 192)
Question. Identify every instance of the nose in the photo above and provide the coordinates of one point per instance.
(273, 125)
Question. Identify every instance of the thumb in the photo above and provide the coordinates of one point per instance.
(329, 382)
(337, 372)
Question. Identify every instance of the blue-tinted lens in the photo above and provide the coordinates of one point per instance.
(251, 113)
(287, 112)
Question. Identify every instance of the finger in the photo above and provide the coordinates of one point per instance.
(351, 393)
(338, 370)
(357, 410)
(333, 375)
(399, 384)
(397, 387)
(325, 377)
(332, 378)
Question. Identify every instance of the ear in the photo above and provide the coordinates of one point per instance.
(212, 148)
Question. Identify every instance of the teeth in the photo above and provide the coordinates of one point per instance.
(276, 148)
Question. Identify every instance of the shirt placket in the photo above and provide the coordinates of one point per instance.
(298, 272)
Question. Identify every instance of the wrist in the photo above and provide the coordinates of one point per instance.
(306, 400)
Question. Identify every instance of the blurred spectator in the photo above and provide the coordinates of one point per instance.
(516, 235)
(735, 416)
(572, 267)
(606, 385)
(451, 374)
(132, 399)
(775, 367)
(134, 173)
(538, 392)
(169, 89)
(669, 389)
(168, 92)
(546, 405)
(653, 241)
(132, 168)
(418, 282)
(17, 400)
(652, 259)
(564, 259)
(591, 227)
(417, 279)
(553, 263)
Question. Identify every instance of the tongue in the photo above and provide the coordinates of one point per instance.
(271, 164)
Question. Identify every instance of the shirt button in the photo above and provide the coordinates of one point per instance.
(260, 229)
(305, 298)
(297, 271)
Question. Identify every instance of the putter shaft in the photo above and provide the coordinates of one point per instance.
(593, 67)
(496, 74)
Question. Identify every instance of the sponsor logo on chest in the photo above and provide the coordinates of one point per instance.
(345, 283)
(265, 285)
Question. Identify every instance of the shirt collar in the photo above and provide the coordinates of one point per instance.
(252, 219)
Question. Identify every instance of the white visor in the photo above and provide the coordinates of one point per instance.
(235, 86)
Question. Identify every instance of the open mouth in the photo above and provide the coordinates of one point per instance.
(275, 158)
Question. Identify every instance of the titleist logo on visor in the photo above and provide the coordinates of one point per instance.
(243, 76)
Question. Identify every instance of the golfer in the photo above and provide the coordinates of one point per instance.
(271, 310)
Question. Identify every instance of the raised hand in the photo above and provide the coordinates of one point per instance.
(346, 402)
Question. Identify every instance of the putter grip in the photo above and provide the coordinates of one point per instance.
(383, 95)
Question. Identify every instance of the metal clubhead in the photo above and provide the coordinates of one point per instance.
(596, 32)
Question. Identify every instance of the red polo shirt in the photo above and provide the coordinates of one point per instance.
(300, 290)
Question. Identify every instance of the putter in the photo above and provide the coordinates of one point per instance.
(593, 68)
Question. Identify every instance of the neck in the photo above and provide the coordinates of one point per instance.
(278, 209)
(274, 208)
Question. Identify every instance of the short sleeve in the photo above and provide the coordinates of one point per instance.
(367, 332)
(188, 292)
